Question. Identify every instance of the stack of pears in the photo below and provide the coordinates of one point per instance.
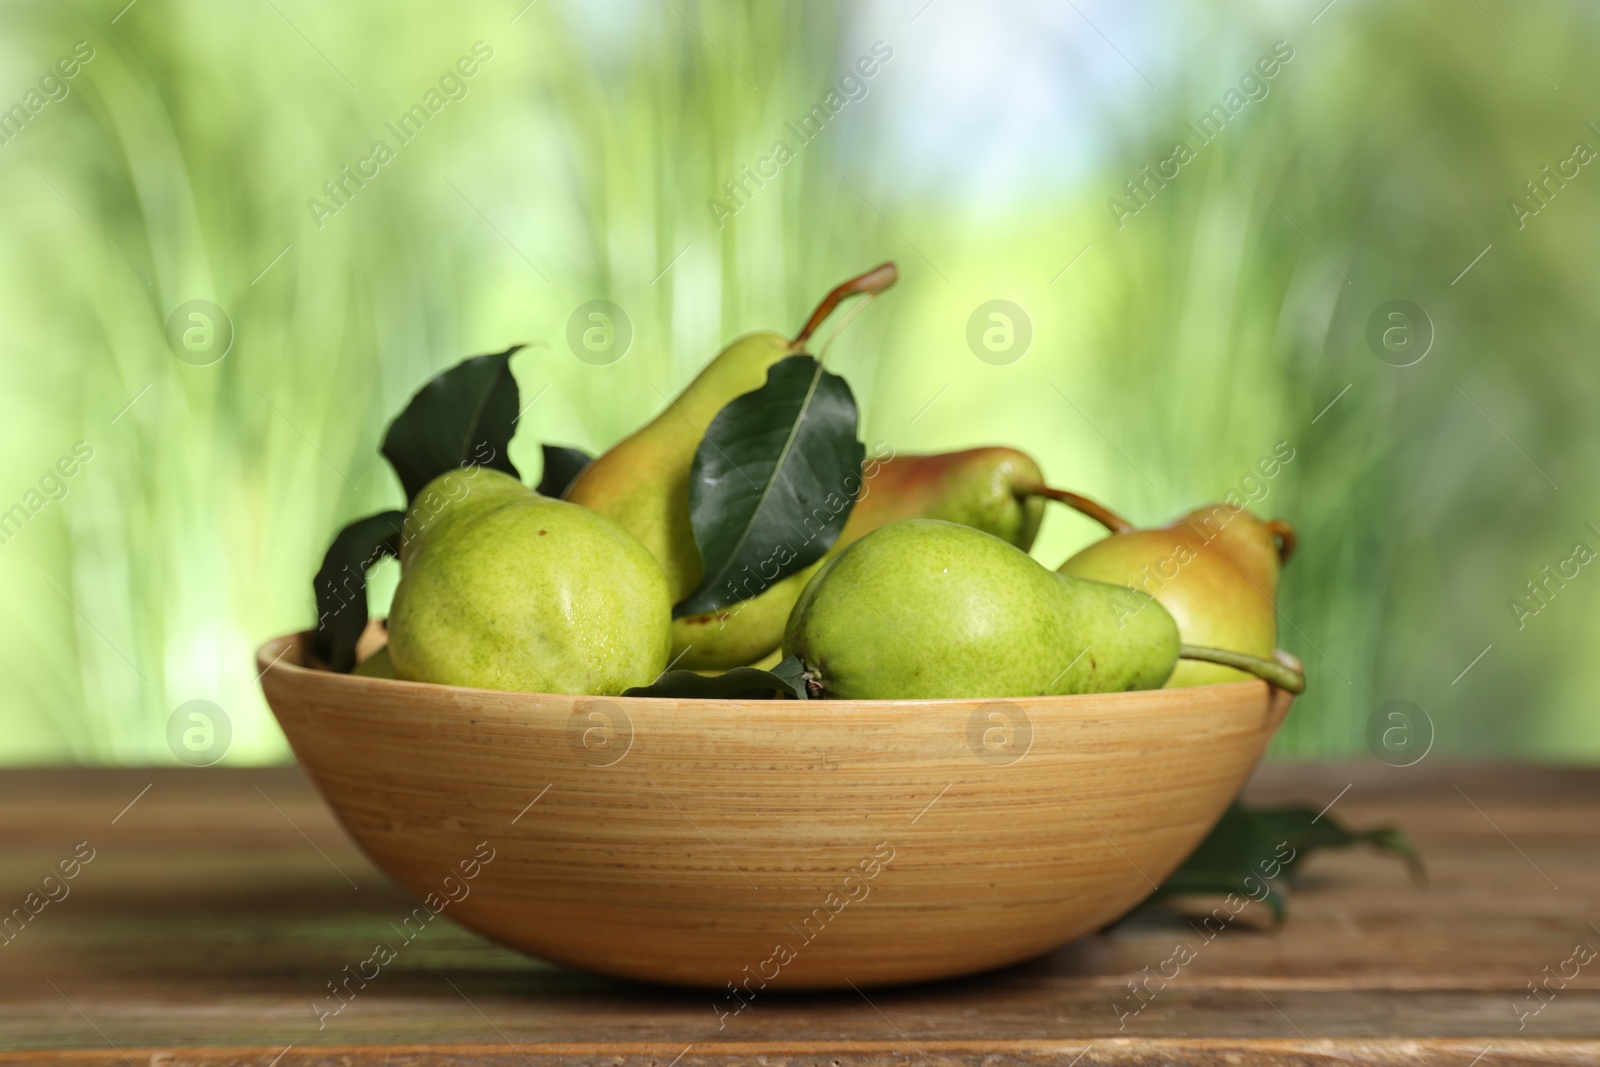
(972, 487)
(642, 483)
(928, 591)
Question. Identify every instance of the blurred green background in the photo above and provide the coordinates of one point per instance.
(1175, 338)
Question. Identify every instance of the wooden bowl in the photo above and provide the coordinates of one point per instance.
(771, 844)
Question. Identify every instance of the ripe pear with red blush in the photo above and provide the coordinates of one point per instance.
(1215, 570)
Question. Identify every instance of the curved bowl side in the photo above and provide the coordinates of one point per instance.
(777, 843)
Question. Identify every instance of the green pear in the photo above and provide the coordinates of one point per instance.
(739, 634)
(452, 497)
(1215, 570)
(377, 665)
(642, 482)
(501, 588)
(976, 487)
(931, 610)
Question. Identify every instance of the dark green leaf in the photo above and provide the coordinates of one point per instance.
(341, 585)
(772, 482)
(741, 683)
(792, 672)
(1258, 853)
(1305, 831)
(1239, 855)
(465, 415)
(562, 466)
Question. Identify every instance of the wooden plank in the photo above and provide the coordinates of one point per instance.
(1104, 1053)
(218, 907)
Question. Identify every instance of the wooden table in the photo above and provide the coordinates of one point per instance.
(218, 904)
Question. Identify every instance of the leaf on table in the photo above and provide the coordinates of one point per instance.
(772, 482)
(741, 683)
(1235, 857)
(1257, 853)
(340, 586)
(465, 415)
(1305, 831)
(562, 465)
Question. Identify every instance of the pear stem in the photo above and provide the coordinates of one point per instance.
(844, 324)
(873, 281)
(1271, 671)
(1283, 531)
(1081, 504)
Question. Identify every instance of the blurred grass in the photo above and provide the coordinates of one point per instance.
(1176, 352)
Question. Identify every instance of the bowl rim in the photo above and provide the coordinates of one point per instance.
(272, 657)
